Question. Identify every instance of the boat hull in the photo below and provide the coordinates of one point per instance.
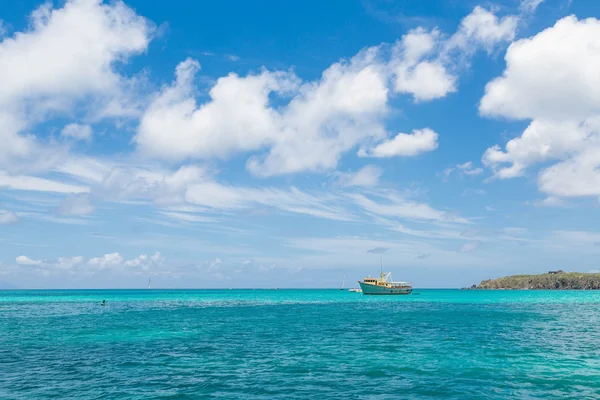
(368, 289)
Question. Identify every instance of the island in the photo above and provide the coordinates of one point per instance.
(553, 280)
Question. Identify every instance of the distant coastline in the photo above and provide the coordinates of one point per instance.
(552, 280)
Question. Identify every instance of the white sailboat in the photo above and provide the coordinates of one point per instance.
(343, 281)
(149, 283)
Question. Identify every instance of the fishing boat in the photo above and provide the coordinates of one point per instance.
(355, 290)
(381, 285)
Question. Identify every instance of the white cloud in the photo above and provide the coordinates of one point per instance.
(405, 144)
(76, 204)
(7, 217)
(530, 6)
(66, 55)
(532, 87)
(149, 183)
(213, 266)
(550, 79)
(24, 260)
(237, 117)
(195, 186)
(70, 52)
(329, 117)
(470, 246)
(574, 177)
(187, 217)
(467, 168)
(77, 132)
(289, 125)
(223, 197)
(107, 261)
(391, 204)
(67, 263)
(482, 28)
(425, 64)
(21, 182)
(322, 119)
(426, 79)
(550, 202)
(366, 176)
(145, 262)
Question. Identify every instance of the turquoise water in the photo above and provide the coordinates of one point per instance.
(276, 344)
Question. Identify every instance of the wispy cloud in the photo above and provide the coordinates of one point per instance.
(471, 246)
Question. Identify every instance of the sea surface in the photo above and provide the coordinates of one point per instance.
(299, 344)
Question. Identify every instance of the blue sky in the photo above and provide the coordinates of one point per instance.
(290, 144)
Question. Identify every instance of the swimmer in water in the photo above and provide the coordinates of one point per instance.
(103, 303)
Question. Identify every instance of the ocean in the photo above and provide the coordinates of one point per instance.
(299, 344)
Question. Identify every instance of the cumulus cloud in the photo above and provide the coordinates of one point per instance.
(38, 84)
(106, 261)
(563, 106)
(322, 119)
(290, 125)
(417, 69)
(404, 144)
(112, 261)
(145, 262)
(530, 87)
(482, 28)
(91, 35)
(237, 118)
(68, 263)
(7, 217)
(24, 260)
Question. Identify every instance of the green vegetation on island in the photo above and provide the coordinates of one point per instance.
(553, 280)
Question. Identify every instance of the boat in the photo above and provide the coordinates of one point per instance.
(343, 280)
(355, 290)
(149, 283)
(381, 285)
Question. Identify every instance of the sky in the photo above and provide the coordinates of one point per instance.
(239, 144)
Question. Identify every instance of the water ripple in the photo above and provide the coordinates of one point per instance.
(298, 345)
